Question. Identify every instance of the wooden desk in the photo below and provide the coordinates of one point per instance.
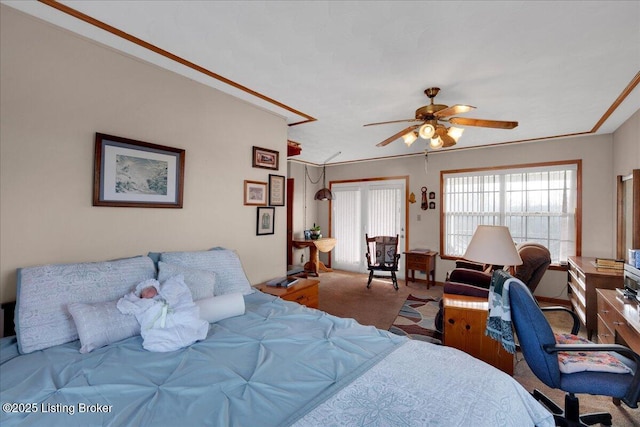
(422, 261)
(582, 279)
(304, 292)
(326, 244)
(618, 320)
(465, 320)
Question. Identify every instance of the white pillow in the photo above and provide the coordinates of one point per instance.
(201, 283)
(101, 324)
(218, 308)
(230, 276)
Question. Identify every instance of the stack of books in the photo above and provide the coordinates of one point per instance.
(283, 282)
(611, 264)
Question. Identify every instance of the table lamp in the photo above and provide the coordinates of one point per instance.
(493, 244)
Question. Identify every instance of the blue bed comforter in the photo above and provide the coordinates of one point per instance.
(268, 367)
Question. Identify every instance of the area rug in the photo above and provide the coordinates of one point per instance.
(416, 319)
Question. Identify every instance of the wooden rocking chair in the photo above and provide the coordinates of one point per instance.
(382, 256)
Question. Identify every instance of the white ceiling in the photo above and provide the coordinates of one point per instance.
(556, 67)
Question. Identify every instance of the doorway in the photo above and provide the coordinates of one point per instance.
(374, 207)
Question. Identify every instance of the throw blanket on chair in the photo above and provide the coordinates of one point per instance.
(499, 320)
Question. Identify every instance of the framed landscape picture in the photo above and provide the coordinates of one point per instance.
(264, 158)
(129, 173)
(255, 193)
(276, 190)
(265, 221)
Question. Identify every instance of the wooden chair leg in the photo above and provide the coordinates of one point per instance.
(370, 278)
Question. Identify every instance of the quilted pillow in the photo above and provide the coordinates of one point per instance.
(101, 324)
(44, 293)
(201, 283)
(578, 361)
(230, 276)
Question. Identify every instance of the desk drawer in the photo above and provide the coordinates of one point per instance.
(419, 259)
(605, 335)
(415, 265)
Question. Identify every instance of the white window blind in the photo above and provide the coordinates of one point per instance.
(384, 211)
(347, 224)
(537, 203)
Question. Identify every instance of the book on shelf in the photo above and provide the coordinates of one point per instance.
(614, 264)
(283, 282)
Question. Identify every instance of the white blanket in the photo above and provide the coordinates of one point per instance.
(170, 320)
(393, 394)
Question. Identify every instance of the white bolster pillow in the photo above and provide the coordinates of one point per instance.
(221, 307)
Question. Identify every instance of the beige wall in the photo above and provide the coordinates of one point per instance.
(596, 153)
(626, 146)
(57, 90)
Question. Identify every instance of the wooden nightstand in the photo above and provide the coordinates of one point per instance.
(421, 261)
(304, 292)
(465, 320)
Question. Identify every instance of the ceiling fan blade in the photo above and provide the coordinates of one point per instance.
(454, 109)
(499, 124)
(397, 135)
(393, 121)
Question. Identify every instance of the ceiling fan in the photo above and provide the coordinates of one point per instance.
(429, 118)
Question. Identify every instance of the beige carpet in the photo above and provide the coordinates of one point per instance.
(345, 294)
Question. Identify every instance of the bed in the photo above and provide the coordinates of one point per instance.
(278, 364)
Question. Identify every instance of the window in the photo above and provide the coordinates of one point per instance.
(539, 203)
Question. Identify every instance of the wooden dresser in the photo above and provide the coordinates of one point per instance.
(618, 320)
(583, 278)
(304, 292)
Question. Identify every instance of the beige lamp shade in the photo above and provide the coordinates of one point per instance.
(493, 244)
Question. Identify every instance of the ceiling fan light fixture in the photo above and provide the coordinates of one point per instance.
(427, 130)
(409, 138)
(455, 133)
(436, 142)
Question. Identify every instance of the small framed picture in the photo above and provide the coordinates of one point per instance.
(266, 159)
(265, 221)
(255, 193)
(276, 190)
(307, 234)
(432, 205)
(432, 195)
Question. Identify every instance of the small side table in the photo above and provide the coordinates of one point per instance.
(325, 244)
(421, 261)
(304, 292)
(465, 320)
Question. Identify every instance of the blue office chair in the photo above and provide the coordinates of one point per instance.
(539, 348)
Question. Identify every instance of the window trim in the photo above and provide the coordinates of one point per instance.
(578, 216)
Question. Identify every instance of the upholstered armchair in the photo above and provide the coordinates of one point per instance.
(535, 262)
(473, 279)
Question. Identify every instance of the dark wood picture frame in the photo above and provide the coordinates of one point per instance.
(265, 158)
(265, 221)
(137, 174)
(277, 189)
